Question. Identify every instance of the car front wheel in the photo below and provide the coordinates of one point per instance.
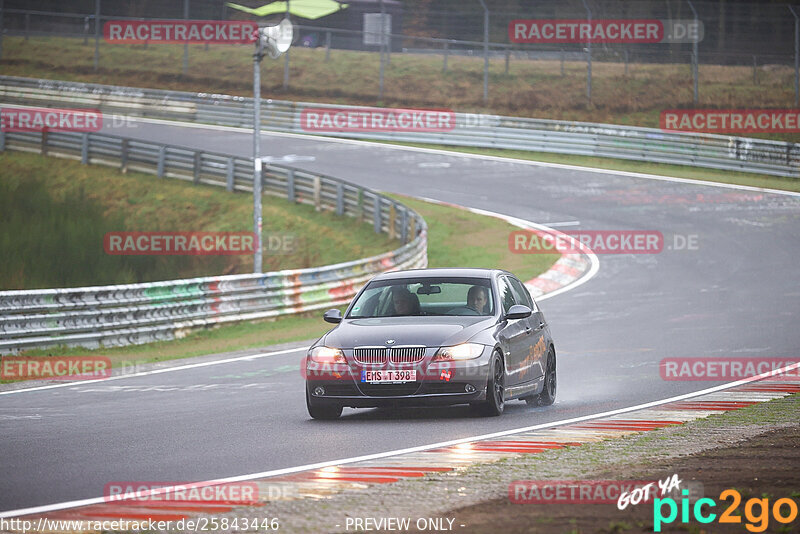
(495, 388)
(548, 394)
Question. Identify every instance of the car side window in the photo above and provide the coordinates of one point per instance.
(506, 294)
(521, 294)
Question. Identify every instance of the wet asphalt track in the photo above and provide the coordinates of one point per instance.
(737, 295)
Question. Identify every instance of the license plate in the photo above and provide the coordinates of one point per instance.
(389, 375)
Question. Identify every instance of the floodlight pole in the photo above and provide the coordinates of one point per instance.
(485, 52)
(257, 221)
(286, 60)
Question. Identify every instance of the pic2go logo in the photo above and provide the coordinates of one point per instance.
(757, 521)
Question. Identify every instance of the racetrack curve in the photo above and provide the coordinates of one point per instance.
(737, 295)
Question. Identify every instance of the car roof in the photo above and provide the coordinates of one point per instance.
(443, 272)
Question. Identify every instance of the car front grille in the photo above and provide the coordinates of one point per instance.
(406, 354)
(397, 355)
(370, 355)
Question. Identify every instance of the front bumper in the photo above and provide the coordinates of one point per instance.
(438, 383)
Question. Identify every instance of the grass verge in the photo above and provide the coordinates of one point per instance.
(54, 214)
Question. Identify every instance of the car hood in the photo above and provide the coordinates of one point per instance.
(428, 331)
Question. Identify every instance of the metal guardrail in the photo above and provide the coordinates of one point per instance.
(485, 131)
(140, 313)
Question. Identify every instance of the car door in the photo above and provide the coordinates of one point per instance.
(535, 344)
(514, 335)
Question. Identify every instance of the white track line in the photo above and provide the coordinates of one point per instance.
(450, 443)
(159, 371)
(557, 224)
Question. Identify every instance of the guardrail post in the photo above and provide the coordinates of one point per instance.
(162, 154)
(196, 177)
(85, 149)
(317, 193)
(229, 176)
(392, 217)
(44, 142)
(339, 198)
(404, 225)
(123, 159)
(290, 186)
(376, 214)
(327, 46)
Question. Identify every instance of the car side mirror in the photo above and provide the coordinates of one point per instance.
(332, 316)
(518, 311)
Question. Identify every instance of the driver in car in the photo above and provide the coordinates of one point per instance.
(404, 302)
(478, 299)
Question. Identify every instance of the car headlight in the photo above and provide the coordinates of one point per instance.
(464, 351)
(326, 355)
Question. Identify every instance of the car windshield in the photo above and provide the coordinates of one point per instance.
(424, 296)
